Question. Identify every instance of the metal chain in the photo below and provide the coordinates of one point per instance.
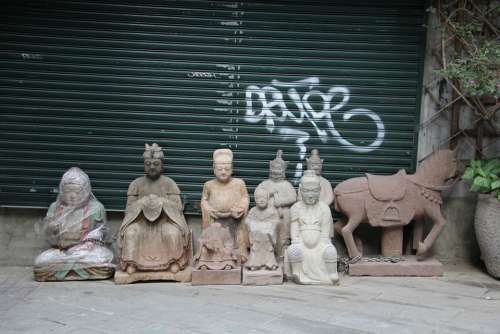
(344, 262)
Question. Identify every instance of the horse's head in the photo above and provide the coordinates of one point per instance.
(439, 167)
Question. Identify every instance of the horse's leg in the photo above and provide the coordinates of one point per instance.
(354, 221)
(434, 212)
(418, 231)
(338, 226)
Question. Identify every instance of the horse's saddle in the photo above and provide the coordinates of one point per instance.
(387, 205)
(387, 188)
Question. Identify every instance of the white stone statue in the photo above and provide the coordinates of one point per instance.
(312, 256)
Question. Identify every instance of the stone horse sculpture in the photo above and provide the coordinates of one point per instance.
(395, 200)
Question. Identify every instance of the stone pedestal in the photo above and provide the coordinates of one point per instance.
(409, 267)
(181, 276)
(262, 277)
(216, 277)
(61, 274)
(392, 241)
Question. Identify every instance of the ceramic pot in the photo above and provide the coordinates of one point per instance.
(487, 227)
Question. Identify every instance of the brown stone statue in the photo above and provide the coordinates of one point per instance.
(225, 200)
(154, 239)
(393, 201)
(216, 249)
(282, 197)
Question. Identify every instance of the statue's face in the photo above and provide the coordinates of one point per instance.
(74, 194)
(310, 193)
(223, 172)
(261, 199)
(316, 167)
(276, 173)
(153, 168)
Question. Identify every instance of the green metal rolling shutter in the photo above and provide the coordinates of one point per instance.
(87, 83)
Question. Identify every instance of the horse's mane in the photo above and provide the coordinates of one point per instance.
(432, 170)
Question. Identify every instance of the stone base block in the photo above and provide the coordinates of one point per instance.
(409, 267)
(216, 277)
(262, 277)
(181, 276)
(91, 273)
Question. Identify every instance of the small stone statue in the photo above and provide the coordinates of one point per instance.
(262, 223)
(216, 249)
(282, 196)
(315, 163)
(154, 239)
(225, 200)
(75, 227)
(312, 256)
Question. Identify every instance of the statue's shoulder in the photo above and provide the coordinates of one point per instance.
(297, 206)
(239, 182)
(133, 187)
(209, 183)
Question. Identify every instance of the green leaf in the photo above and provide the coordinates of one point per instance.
(482, 172)
(495, 185)
(468, 174)
(482, 182)
(489, 166)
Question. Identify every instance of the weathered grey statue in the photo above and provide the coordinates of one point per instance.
(154, 239)
(225, 200)
(262, 224)
(75, 227)
(282, 196)
(315, 163)
(312, 256)
(393, 201)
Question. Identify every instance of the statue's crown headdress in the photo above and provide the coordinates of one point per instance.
(278, 162)
(223, 156)
(153, 151)
(310, 178)
(314, 158)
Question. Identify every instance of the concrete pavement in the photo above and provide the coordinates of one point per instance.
(464, 300)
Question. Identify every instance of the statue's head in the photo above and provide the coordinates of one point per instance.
(277, 167)
(261, 198)
(310, 187)
(314, 162)
(223, 164)
(153, 161)
(74, 188)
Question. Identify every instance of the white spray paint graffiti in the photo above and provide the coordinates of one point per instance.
(307, 113)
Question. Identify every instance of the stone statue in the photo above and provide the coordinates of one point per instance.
(154, 239)
(262, 223)
(312, 256)
(75, 227)
(315, 163)
(217, 261)
(216, 249)
(393, 201)
(282, 196)
(225, 200)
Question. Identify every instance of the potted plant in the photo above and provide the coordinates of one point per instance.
(485, 176)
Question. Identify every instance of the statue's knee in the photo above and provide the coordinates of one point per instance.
(294, 253)
(330, 254)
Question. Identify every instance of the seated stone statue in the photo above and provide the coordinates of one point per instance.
(154, 236)
(75, 227)
(312, 256)
(282, 196)
(216, 249)
(262, 224)
(225, 200)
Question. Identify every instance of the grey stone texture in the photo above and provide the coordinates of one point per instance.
(464, 300)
